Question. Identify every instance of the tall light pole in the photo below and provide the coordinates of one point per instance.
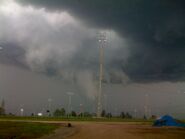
(135, 113)
(22, 111)
(146, 106)
(81, 110)
(70, 94)
(102, 42)
(49, 106)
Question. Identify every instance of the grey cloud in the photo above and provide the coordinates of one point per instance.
(12, 54)
(155, 30)
(45, 41)
(55, 41)
(56, 44)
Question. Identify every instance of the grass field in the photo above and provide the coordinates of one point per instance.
(90, 119)
(12, 127)
(24, 130)
(83, 128)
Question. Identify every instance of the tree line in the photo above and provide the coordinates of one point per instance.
(2, 108)
(62, 113)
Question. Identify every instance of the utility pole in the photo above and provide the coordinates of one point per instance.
(102, 42)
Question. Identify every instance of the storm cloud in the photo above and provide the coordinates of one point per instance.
(54, 43)
(50, 47)
(155, 31)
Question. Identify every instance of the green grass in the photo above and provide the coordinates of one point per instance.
(24, 130)
(88, 119)
(70, 119)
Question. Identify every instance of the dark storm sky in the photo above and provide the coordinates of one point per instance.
(155, 30)
(54, 42)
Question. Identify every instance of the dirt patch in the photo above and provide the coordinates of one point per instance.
(125, 131)
(105, 130)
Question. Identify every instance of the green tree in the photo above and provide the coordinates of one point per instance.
(103, 113)
(144, 117)
(2, 108)
(2, 111)
(109, 115)
(73, 113)
(59, 112)
(122, 115)
(87, 114)
(63, 112)
(128, 116)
